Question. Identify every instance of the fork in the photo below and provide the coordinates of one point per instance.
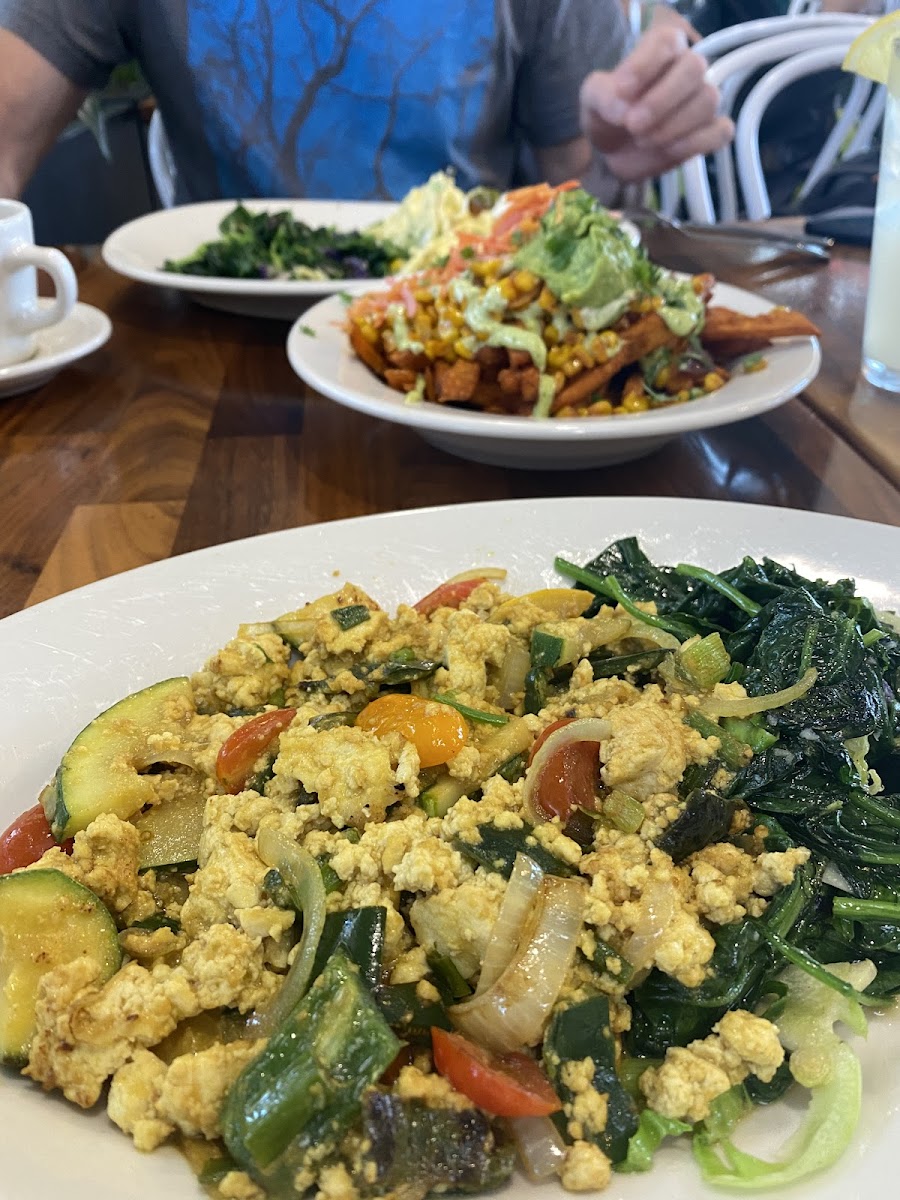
(740, 240)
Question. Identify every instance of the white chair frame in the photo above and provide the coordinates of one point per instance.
(749, 165)
(742, 50)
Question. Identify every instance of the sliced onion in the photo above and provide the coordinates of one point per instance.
(650, 633)
(833, 877)
(584, 729)
(541, 1148)
(517, 900)
(657, 910)
(512, 1012)
(478, 573)
(303, 879)
(511, 679)
(745, 707)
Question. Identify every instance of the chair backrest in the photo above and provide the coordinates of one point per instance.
(162, 165)
(749, 165)
(739, 55)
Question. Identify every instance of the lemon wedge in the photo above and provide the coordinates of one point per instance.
(870, 53)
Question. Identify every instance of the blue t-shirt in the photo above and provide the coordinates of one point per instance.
(339, 98)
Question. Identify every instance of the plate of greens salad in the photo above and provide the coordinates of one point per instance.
(267, 257)
(689, 1045)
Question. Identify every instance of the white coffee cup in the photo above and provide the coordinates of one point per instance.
(20, 314)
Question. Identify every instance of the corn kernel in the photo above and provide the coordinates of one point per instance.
(507, 290)
(433, 347)
(712, 381)
(636, 403)
(551, 336)
(559, 381)
(567, 411)
(556, 356)
(599, 408)
(610, 340)
(683, 396)
(461, 350)
(572, 367)
(423, 296)
(547, 300)
(422, 323)
(369, 332)
(587, 358)
(524, 281)
(576, 318)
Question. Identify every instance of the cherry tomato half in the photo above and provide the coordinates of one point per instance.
(241, 749)
(26, 840)
(437, 731)
(507, 1085)
(447, 595)
(569, 779)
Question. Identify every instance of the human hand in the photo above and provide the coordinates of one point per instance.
(655, 110)
(664, 14)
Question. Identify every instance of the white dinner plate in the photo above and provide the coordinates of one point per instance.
(70, 657)
(320, 353)
(140, 248)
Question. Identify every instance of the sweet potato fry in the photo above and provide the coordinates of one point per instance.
(519, 358)
(647, 333)
(401, 379)
(407, 360)
(726, 325)
(491, 356)
(524, 382)
(367, 352)
(456, 382)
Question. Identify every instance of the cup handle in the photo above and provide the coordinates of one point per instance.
(58, 267)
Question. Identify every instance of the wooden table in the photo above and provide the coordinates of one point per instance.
(189, 429)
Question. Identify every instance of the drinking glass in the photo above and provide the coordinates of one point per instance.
(881, 334)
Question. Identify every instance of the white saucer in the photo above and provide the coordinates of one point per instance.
(84, 330)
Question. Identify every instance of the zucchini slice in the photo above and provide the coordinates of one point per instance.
(170, 832)
(99, 772)
(500, 745)
(46, 920)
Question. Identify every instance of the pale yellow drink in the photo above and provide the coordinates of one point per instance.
(881, 335)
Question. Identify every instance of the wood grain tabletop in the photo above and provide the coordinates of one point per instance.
(189, 429)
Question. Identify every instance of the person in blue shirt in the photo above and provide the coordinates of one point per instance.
(366, 98)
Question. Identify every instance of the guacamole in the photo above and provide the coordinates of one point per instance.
(588, 261)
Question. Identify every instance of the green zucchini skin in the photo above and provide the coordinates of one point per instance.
(99, 773)
(304, 1091)
(46, 921)
(582, 1031)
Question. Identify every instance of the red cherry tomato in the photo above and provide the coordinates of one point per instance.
(436, 730)
(241, 749)
(447, 595)
(26, 840)
(569, 779)
(507, 1085)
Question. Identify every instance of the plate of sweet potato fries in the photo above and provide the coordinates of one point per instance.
(553, 341)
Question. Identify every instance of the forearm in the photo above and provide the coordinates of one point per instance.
(36, 104)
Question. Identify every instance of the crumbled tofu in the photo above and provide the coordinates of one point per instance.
(105, 858)
(585, 1168)
(348, 770)
(150, 1100)
(692, 1076)
(458, 922)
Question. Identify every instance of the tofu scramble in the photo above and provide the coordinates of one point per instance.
(375, 904)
